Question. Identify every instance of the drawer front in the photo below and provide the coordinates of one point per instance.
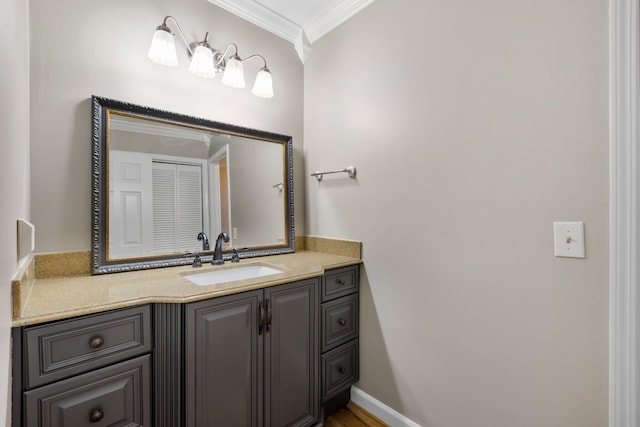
(118, 395)
(339, 369)
(339, 321)
(340, 282)
(59, 350)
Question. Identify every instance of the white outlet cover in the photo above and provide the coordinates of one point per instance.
(26, 238)
(568, 238)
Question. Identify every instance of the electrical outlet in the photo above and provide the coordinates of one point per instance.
(568, 239)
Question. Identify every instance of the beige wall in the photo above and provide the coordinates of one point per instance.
(90, 47)
(495, 127)
(474, 126)
(14, 168)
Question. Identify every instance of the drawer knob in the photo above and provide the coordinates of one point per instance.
(96, 343)
(341, 370)
(342, 322)
(341, 282)
(96, 416)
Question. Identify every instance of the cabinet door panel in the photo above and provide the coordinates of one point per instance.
(116, 396)
(61, 349)
(339, 369)
(291, 376)
(224, 362)
(340, 282)
(339, 321)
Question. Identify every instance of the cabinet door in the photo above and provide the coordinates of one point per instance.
(291, 354)
(224, 362)
(115, 396)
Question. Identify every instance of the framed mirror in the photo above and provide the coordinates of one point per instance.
(164, 184)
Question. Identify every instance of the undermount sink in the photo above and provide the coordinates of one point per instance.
(231, 274)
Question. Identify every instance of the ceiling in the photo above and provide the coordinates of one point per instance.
(301, 22)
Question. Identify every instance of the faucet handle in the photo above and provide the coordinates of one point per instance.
(234, 256)
(197, 262)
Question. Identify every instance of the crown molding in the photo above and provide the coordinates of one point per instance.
(302, 36)
(333, 17)
(263, 17)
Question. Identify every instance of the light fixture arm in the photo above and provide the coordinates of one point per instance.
(220, 60)
(184, 39)
(256, 55)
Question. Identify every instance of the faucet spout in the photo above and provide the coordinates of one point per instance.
(217, 252)
(205, 241)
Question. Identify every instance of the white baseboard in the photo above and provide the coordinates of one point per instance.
(380, 410)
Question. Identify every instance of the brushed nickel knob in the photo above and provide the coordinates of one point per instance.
(96, 343)
(96, 416)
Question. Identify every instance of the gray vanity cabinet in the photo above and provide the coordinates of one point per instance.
(284, 355)
(252, 358)
(339, 335)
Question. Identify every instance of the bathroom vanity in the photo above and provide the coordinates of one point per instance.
(272, 351)
(160, 334)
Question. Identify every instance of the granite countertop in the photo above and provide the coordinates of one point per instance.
(42, 300)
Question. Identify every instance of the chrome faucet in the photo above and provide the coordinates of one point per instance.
(217, 252)
(205, 241)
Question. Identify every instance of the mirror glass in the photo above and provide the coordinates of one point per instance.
(160, 179)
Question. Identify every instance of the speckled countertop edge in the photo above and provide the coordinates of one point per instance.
(43, 300)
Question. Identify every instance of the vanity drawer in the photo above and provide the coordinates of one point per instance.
(61, 349)
(339, 369)
(339, 321)
(340, 282)
(118, 395)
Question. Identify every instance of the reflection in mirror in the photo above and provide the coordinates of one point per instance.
(161, 179)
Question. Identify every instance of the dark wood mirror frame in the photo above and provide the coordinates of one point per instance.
(100, 263)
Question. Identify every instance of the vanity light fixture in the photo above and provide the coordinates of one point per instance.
(207, 61)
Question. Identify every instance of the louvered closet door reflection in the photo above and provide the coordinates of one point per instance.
(177, 207)
(189, 206)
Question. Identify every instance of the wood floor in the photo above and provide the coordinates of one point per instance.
(353, 416)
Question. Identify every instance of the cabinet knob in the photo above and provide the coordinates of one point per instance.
(96, 343)
(340, 282)
(341, 370)
(342, 322)
(96, 416)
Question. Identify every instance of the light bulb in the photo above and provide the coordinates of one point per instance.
(263, 86)
(163, 47)
(233, 74)
(202, 62)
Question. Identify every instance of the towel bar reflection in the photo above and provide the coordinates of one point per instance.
(349, 170)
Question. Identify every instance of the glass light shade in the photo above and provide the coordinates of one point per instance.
(233, 73)
(202, 62)
(163, 48)
(263, 86)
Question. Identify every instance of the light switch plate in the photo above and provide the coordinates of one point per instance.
(568, 238)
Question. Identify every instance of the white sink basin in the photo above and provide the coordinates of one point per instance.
(231, 274)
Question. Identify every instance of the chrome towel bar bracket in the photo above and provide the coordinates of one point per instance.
(349, 170)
